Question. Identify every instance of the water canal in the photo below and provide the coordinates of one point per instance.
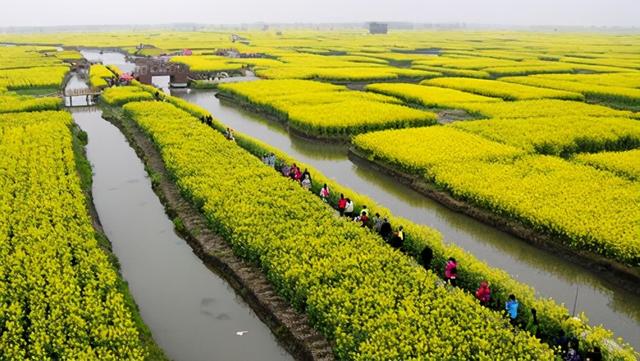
(192, 312)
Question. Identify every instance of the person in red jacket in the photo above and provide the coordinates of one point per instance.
(363, 219)
(483, 293)
(342, 203)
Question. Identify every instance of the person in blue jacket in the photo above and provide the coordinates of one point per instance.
(512, 308)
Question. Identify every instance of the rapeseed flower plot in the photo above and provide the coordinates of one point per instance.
(124, 94)
(559, 135)
(543, 108)
(501, 89)
(546, 193)
(10, 103)
(60, 296)
(327, 110)
(630, 96)
(98, 74)
(345, 278)
(39, 77)
(429, 96)
(626, 163)
(207, 63)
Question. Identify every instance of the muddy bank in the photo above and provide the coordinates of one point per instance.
(614, 272)
(290, 327)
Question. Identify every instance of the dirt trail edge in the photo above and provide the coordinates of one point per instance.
(291, 328)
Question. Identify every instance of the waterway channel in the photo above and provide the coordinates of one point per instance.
(192, 312)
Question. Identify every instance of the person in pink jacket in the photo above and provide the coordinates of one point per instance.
(483, 293)
(451, 271)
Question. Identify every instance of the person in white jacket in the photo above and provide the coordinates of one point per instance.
(348, 209)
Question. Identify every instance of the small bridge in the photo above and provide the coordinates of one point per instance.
(89, 93)
(147, 68)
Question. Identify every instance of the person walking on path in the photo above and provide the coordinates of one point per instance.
(365, 210)
(483, 293)
(285, 170)
(342, 204)
(293, 171)
(426, 256)
(398, 238)
(377, 222)
(229, 134)
(511, 306)
(532, 324)
(451, 271)
(562, 340)
(325, 193)
(363, 219)
(348, 209)
(306, 174)
(271, 160)
(306, 182)
(595, 355)
(572, 353)
(385, 229)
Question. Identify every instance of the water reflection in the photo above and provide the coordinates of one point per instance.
(108, 58)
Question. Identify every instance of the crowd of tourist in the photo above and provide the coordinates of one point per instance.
(395, 238)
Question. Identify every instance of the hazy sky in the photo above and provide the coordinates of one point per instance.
(505, 12)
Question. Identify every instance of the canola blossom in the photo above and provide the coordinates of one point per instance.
(124, 94)
(501, 89)
(40, 77)
(552, 316)
(543, 108)
(205, 64)
(326, 110)
(452, 71)
(10, 103)
(14, 57)
(60, 295)
(626, 79)
(429, 96)
(545, 193)
(559, 135)
(625, 164)
(344, 74)
(98, 74)
(372, 301)
(622, 95)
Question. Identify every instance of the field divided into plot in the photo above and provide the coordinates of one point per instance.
(349, 293)
(325, 110)
(547, 157)
(520, 186)
(552, 315)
